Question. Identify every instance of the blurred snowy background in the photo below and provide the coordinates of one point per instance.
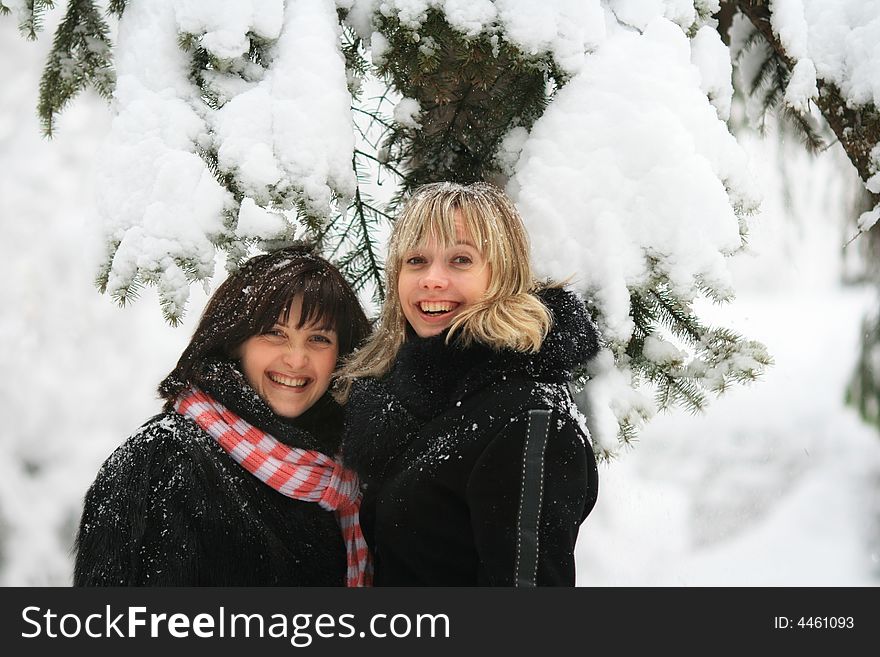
(776, 484)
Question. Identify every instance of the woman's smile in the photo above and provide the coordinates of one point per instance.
(293, 382)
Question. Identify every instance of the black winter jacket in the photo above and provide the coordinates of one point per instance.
(441, 443)
(171, 508)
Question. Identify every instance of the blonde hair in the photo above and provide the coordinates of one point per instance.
(507, 316)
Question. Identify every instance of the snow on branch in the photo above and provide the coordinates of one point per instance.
(632, 185)
(235, 129)
(233, 121)
(829, 50)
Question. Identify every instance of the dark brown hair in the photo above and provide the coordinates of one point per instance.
(253, 299)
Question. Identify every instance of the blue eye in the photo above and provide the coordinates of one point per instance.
(274, 335)
(415, 260)
(462, 260)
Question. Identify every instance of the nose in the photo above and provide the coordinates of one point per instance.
(434, 277)
(296, 357)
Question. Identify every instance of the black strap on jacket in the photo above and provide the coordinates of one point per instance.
(531, 498)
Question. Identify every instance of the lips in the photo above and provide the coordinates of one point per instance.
(288, 381)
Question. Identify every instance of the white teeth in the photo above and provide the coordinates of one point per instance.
(292, 382)
(435, 306)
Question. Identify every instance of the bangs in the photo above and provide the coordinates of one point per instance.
(322, 305)
(435, 222)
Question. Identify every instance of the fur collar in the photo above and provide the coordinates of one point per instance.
(430, 376)
(319, 428)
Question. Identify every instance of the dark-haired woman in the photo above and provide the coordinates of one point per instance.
(235, 483)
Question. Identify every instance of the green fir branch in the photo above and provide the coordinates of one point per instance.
(350, 241)
(80, 57)
(642, 316)
(767, 74)
(627, 435)
(128, 293)
(678, 391)
(805, 129)
(352, 49)
(676, 315)
(863, 390)
(32, 22)
(768, 86)
(471, 91)
(102, 278)
(117, 7)
(754, 40)
(374, 118)
(382, 163)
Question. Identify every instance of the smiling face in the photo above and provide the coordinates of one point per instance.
(438, 282)
(290, 367)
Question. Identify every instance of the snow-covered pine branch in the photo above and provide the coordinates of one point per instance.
(828, 51)
(605, 119)
(233, 130)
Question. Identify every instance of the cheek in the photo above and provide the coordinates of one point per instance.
(480, 283)
(249, 355)
(403, 284)
(404, 289)
(327, 363)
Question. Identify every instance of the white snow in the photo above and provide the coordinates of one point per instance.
(378, 48)
(777, 483)
(789, 23)
(840, 37)
(406, 113)
(256, 222)
(837, 42)
(802, 86)
(712, 58)
(284, 132)
(314, 135)
(628, 170)
(661, 351)
(564, 29)
(158, 198)
(223, 25)
(510, 148)
(774, 479)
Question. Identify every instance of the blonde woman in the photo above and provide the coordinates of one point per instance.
(459, 418)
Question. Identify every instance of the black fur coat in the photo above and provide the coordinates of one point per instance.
(441, 441)
(171, 508)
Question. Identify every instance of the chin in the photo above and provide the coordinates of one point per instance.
(287, 413)
(430, 331)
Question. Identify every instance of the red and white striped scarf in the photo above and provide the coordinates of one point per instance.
(300, 474)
